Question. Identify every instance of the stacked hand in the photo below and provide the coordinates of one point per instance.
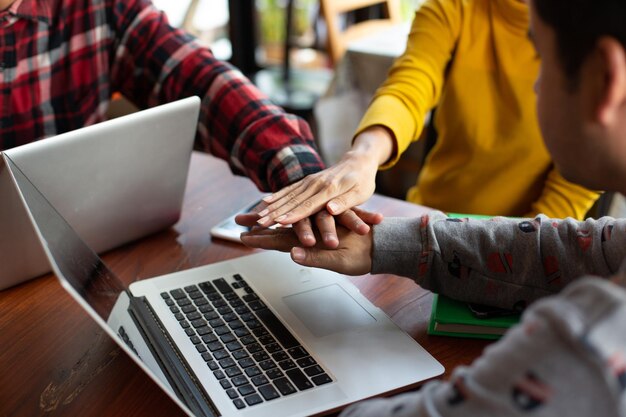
(352, 255)
(335, 191)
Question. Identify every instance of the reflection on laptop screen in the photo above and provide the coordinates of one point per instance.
(79, 265)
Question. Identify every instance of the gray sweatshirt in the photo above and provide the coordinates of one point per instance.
(568, 355)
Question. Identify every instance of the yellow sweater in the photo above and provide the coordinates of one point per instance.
(473, 60)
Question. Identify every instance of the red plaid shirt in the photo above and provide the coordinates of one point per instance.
(60, 61)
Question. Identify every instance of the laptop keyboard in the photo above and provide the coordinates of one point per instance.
(251, 353)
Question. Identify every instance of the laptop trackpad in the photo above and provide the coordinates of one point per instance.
(328, 310)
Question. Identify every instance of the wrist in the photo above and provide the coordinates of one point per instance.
(376, 142)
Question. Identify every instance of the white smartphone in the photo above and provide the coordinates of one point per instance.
(230, 230)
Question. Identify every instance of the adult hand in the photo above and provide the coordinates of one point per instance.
(355, 219)
(347, 184)
(352, 255)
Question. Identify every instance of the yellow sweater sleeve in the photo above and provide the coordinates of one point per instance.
(416, 79)
(561, 198)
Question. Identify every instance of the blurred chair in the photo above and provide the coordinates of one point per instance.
(338, 38)
(294, 89)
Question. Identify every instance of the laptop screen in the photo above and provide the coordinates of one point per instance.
(80, 266)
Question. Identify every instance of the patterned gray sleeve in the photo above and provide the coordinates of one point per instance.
(566, 358)
(502, 262)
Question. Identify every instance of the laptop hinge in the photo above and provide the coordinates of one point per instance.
(175, 368)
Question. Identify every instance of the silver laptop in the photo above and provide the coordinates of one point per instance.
(254, 336)
(114, 182)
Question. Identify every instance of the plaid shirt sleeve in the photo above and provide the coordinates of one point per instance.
(155, 63)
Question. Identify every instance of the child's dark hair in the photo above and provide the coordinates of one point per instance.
(579, 24)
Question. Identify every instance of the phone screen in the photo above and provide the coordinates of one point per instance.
(229, 229)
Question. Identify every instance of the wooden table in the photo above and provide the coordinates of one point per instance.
(57, 362)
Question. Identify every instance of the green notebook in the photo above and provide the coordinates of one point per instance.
(454, 318)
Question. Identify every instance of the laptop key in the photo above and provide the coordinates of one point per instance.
(219, 374)
(267, 339)
(205, 308)
(256, 305)
(221, 330)
(222, 286)
(232, 394)
(183, 302)
(280, 356)
(239, 380)
(194, 316)
(201, 348)
(287, 364)
(299, 379)
(246, 390)
(253, 371)
(195, 295)
(274, 373)
(241, 332)
(314, 370)
(198, 323)
(201, 302)
(239, 403)
(214, 346)
(306, 362)
(207, 287)
(236, 324)
(227, 363)
(208, 338)
(227, 338)
(165, 295)
(267, 364)
(223, 310)
(225, 383)
(220, 354)
(203, 331)
(212, 365)
(242, 309)
(298, 352)
(184, 324)
(191, 288)
(277, 328)
(211, 315)
(190, 332)
(195, 340)
(238, 277)
(179, 316)
(233, 371)
(273, 348)
(253, 399)
(260, 356)
(248, 298)
(259, 380)
(246, 362)
(216, 323)
(232, 346)
(268, 392)
(170, 302)
(240, 354)
(284, 386)
(178, 293)
(321, 379)
(186, 309)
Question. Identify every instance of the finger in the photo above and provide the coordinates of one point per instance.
(293, 199)
(369, 217)
(279, 239)
(341, 203)
(304, 231)
(247, 219)
(326, 226)
(353, 222)
(282, 192)
(317, 258)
